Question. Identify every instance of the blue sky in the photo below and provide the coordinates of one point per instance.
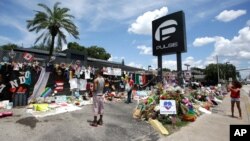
(123, 28)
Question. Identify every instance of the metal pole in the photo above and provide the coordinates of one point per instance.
(179, 69)
(218, 70)
(160, 67)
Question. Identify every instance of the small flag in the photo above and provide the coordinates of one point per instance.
(28, 56)
(59, 86)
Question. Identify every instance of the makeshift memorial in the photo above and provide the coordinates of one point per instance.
(189, 104)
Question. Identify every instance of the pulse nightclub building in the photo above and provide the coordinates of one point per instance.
(68, 56)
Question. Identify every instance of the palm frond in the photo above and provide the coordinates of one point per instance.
(52, 21)
(46, 8)
(46, 37)
(64, 10)
(62, 36)
(56, 6)
(37, 39)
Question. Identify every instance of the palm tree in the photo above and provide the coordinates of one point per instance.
(53, 22)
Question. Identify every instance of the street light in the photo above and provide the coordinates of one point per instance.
(227, 71)
(218, 69)
(187, 65)
(149, 66)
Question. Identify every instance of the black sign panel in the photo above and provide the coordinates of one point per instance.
(239, 132)
(169, 34)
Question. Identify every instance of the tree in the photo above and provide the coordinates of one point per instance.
(211, 74)
(226, 71)
(92, 51)
(166, 70)
(9, 46)
(76, 46)
(229, 71)
(52, 22)
(98, 53)
(198, 70)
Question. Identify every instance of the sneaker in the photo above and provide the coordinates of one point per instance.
(100, 122)
(94, 124)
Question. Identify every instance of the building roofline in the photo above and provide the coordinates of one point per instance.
(32, 50)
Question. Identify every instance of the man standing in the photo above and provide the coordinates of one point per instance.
(98, 99)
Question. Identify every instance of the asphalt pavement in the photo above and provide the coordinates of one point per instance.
(74, 126)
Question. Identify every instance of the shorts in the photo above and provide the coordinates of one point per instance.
(235, 99)
(98, 105)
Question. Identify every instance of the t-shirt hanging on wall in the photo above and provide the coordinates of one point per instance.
(87, 74)
(59, 86)
(27, 78)
(73, 83)
(140, 80)
(82, 84)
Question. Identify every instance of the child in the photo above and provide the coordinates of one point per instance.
(235, 97)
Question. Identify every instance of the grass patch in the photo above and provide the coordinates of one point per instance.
(173, 128)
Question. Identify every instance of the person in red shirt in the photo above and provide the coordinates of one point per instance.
(129, 91)
(235, 97)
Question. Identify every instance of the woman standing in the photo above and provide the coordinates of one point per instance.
(129, 87)
(235, 97)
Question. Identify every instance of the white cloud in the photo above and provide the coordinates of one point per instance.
(5, 40)
(244, 54)
(235, 50)
(27, 38)
(118, 11)
(192, 62)
(12, 22)
(229, 15)
(143, 24)
(97, 12)
(237, 47)
(133, 64)
(172, 64)
(78, 8)
(145, 50)
(248, 23)
(203, 41)
(239, 44)
(210, 60)
(116, 58)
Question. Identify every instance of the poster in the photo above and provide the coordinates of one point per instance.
(112, 71)
(168, 107)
